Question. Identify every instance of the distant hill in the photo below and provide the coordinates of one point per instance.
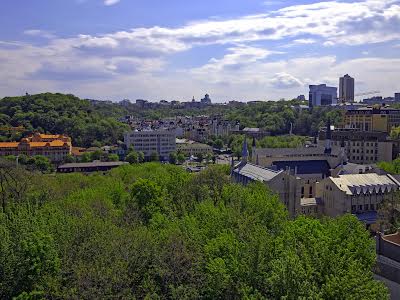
(84, 122)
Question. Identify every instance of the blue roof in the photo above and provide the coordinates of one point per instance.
(305, 166)
(369, 217)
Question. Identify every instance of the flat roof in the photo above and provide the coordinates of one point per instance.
(93, 164)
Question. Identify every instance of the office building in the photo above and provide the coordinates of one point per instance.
(160, 141)
(376, 118)
(322, 95)
(54, 147)
(397, 97)
(346, 88)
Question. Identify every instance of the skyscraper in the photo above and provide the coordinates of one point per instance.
(346, 88)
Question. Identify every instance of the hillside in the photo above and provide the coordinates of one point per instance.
(153, 231)
(84, 122)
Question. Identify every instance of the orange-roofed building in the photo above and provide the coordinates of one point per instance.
(54, 147)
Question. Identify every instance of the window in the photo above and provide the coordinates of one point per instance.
(360, 207)
(366, 206)
(353, 208)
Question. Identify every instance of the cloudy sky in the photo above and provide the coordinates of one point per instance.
(176, 49)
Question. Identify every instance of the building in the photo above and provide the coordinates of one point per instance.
(95, 166)
(397, 97)
(322, 95)
(388, 261)
(160, 141)
(192, 148)
(346, 88)
(223, 127)
(281, 182)
(358, 194)
(375, 118)
(54, 147)
(206, 100)
(361, 147)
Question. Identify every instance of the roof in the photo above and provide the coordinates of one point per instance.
(93, 164)
(356, 184)
(351, 168)
(305, 166)
(255, 172)
(55, 143)
(294, 152)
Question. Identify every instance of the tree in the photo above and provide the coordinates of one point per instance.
(132, 157)
(140, 156)
(200, 157)
(40, 163)
(69, 159)
(218, 143)
(113, 157)
(154, 157)
(181, 158)
(173, 158)
(148, 196)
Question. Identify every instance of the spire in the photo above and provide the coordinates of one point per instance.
(257, 161)
(245, 150)
(328, 137)
(232, 165)
(254, 142)
(315, 140)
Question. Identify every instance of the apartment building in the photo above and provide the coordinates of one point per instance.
(160, 141)
(346, 88)
(54, 147)
(376, 118)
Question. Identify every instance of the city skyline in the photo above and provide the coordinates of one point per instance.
(261, 50)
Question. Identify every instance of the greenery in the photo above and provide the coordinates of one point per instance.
(87, 124)
(153, 231)
(96, 123)
(392, 167)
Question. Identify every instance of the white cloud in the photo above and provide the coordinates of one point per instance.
(110, 2)
(137, 56)
(40, 33)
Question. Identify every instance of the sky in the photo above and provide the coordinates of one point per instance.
(240, 50)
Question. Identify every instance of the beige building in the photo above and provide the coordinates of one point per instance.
(361, 147)
(358, 194)
(374, 118)
(192, 148)
(159, 141)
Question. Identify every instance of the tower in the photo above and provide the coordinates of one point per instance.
(346, 88)
(253, 149)
(328, 138)
(245, 151)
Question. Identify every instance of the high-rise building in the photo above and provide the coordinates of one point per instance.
(322, 95)
(346, 88)
(397, 97)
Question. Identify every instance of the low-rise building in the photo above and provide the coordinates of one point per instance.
(160, 141)
(54, 147)
(358, 194)
(192, 148)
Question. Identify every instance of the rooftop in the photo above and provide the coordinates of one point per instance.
(355, 184)
(255, 172)
(305, 166)
(93, 164)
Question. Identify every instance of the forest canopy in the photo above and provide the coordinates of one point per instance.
(152, 231)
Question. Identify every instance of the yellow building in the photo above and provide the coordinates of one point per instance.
(377, 118)
(54, 147)
(189, 148)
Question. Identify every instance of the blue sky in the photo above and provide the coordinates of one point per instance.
(233, 50)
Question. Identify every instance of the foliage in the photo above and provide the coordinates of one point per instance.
(153, 231)
(84, 121)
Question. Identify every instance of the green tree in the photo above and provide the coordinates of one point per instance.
(140, 156)
(132, 157)
(154, 157)
(113, 157)
(181, 157)
(173, 158)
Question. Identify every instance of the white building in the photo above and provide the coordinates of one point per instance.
(346, 88)
(159, 141)
(322, 95)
